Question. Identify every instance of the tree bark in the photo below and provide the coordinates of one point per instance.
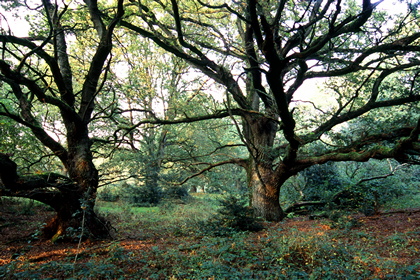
(75, 219)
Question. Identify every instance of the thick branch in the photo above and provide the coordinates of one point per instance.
(44, 188)
(224, 5)
(255, 70)
(356, 64)
(60, 51)
(203, 63)
(217, 115)
(103, 50)
(376, 152)
(28, 119)
(335, 120)
(12, 77)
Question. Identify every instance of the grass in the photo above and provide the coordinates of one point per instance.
(165, 243)
(116, 207)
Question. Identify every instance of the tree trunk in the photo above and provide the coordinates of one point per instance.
(265, 194)
(77, 209)
(73, 201)
(263, 184)
(75, 219)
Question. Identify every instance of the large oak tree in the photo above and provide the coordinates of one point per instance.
(38, 78)
(265, 52)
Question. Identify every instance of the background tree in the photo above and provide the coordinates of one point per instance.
(40, 77)
(152, 144)
(263, 53)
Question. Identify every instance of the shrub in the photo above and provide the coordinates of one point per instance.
(232, 216)
(144, 195)
(342, 220)
(176, 192)
(141, 195)
(108, 194)
(349, 186)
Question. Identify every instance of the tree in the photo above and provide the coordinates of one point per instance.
(265, 52)
(157, 154)
(38, 78)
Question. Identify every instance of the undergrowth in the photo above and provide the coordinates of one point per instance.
(275, 255)
(177, 249)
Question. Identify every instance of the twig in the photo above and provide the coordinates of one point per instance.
(80, 240)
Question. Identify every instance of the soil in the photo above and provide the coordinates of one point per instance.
(19, 233)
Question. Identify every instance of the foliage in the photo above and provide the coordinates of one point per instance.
(343, 220)
(365, 187)
(140, 195)
(176, 193)
(23, 206)
(322, 181)
(143, 195)
(410, 201)
(232, 216)
(108, 193)
(17, 140)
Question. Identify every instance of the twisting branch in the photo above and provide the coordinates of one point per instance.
(212, 153)
(15, 79)
(216, 115)
(51, 61)
(99, 59)
(42, 187)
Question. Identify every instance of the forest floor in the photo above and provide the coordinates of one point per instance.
(393, 236)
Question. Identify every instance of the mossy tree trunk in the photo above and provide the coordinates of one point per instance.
(263, 180)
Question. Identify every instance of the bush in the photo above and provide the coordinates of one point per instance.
(176, 192)
(108, 194)
(322, 181)
(141, 195)
(232, 216)
(348, 186)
